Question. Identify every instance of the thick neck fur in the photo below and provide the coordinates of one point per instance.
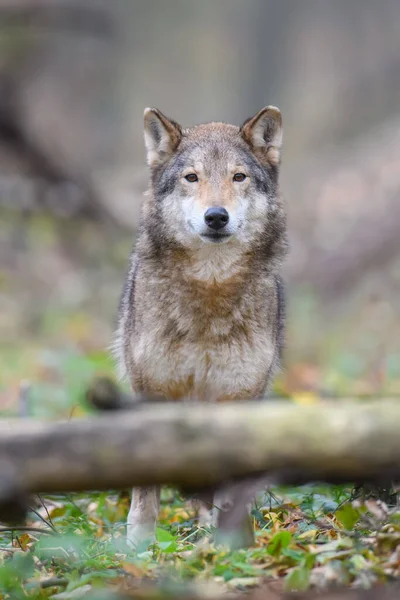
(210, 264)
(216, 265)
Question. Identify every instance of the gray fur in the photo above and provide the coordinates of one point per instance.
(200, 319)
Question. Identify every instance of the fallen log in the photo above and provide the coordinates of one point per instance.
(197, 446)
(263, 592)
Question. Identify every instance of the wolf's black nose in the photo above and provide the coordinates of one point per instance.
(216, 218)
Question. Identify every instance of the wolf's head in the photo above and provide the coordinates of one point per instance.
(214, 183)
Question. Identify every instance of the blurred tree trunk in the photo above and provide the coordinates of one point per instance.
(344, 209)
(59, 116)
(69, 119)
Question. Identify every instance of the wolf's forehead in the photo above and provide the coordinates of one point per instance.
(214, 145)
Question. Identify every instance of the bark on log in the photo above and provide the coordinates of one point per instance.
(199, 446)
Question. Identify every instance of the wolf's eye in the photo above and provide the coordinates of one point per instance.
(191, 177)
(239, 177)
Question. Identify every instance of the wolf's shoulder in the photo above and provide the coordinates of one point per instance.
(126, 311)
(128, 289)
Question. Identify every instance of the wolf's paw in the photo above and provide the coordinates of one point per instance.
(140, 534)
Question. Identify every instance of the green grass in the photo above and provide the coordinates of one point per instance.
(305, 536)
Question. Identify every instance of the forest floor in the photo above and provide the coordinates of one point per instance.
(314, 535)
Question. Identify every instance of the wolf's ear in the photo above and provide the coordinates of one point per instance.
(264, 134)
(161, 136)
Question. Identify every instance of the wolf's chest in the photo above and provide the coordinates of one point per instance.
(233, 367)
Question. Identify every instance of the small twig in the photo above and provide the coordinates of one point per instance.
(19, 543)
(73, 409)
(24, 528)
(23, 399)
(71, 500)
(46, 509)
(43, 520)
(48, 583)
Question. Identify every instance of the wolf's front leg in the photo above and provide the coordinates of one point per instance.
(231, 516)
(142, 516)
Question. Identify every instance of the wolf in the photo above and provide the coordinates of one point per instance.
(201, 314)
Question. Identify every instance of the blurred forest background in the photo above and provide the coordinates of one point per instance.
(74, 80)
